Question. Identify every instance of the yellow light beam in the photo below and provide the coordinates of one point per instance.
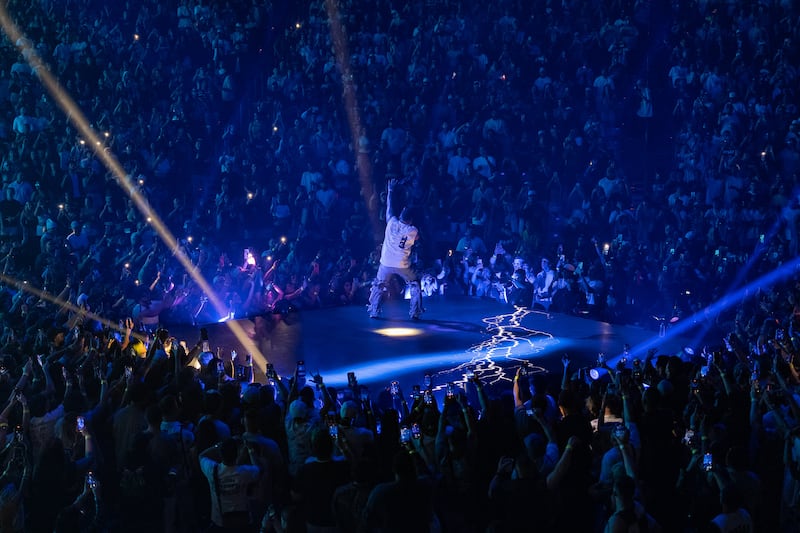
(364, 167)
(78, 120)
(46, 296)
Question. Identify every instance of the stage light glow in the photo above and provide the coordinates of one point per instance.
(399, 332)
(509, 342)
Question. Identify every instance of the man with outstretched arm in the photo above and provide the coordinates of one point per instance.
(399, 238)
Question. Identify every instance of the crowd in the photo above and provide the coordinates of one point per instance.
(628, 161)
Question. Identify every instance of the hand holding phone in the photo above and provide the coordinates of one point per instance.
(708, 462)
(450, 391)
(80, 423)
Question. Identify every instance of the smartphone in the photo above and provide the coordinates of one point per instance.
(128, 372)
(394, 388)
(405, 434)
(351, 379)
(416, 392)
(619, 431)
(451, 391)
(333, 431)
(428, 397)
(270, 371)
(688, 437)
(91, 481)
(415, 431)
(469, 375)
(39, 359)
(80, 423)
(427, 381)
(301, 368)
(708, 462)
(364, 394)
(18, 433)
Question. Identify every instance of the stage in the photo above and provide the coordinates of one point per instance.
(455, 334)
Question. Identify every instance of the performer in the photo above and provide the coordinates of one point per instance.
(398, 240)
(543, 285)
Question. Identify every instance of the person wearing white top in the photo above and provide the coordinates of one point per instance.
(399, 238)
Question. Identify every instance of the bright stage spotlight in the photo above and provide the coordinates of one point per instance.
(399, 332)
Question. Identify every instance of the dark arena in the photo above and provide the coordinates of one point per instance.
(338, 266)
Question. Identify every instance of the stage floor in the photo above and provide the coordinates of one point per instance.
(455, 334)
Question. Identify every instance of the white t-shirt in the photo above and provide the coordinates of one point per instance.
(397, 242)
(232, 489)
(738, 521)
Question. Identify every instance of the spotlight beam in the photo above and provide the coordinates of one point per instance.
(766, 281)
(46, 296)
(76, 117)
(364, 167)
